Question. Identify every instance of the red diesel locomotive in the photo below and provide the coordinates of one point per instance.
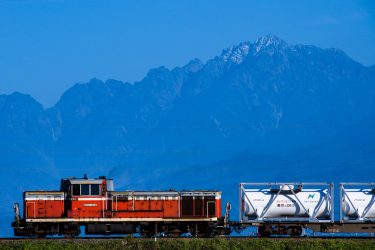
(94, 204)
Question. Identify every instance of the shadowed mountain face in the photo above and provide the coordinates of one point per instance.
(257, 105)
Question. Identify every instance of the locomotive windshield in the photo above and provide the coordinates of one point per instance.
(86, 189)
(76, 189)
(85, 186)
(94, 189)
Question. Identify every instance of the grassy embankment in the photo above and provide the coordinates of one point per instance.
(132, 243)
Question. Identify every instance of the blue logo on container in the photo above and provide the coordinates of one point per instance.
(311, 196)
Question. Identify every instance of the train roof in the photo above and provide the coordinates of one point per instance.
(86, 181)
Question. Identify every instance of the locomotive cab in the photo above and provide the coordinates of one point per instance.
(85, 186)
(86, 198)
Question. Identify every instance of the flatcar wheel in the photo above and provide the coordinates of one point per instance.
(145, 234)
(69, 236)
(295, 231)
(211, 234)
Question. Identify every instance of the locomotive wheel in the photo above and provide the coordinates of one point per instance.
(264, 232)
(173, 233)
(41, 236)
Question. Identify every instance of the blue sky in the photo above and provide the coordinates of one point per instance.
(48, 45)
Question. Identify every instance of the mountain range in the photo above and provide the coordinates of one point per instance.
(260, 111)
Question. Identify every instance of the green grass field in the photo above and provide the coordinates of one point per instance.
(133, 243)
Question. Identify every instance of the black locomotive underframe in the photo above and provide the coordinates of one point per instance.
(145, 229)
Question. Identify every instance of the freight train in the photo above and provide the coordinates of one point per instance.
(273, 208)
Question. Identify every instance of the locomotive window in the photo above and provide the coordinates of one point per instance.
(85, 189)
(94, 189)
(76, 189)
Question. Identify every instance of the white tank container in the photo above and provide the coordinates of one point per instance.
(358, 203)
(266, 203)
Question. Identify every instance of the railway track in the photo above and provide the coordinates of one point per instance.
(189, 238)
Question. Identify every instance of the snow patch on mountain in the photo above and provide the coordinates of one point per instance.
(236, 54)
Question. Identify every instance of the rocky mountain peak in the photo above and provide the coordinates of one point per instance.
(194, 65)
(268, 41)
(236, 54)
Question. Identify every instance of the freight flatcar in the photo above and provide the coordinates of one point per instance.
(289, 208)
